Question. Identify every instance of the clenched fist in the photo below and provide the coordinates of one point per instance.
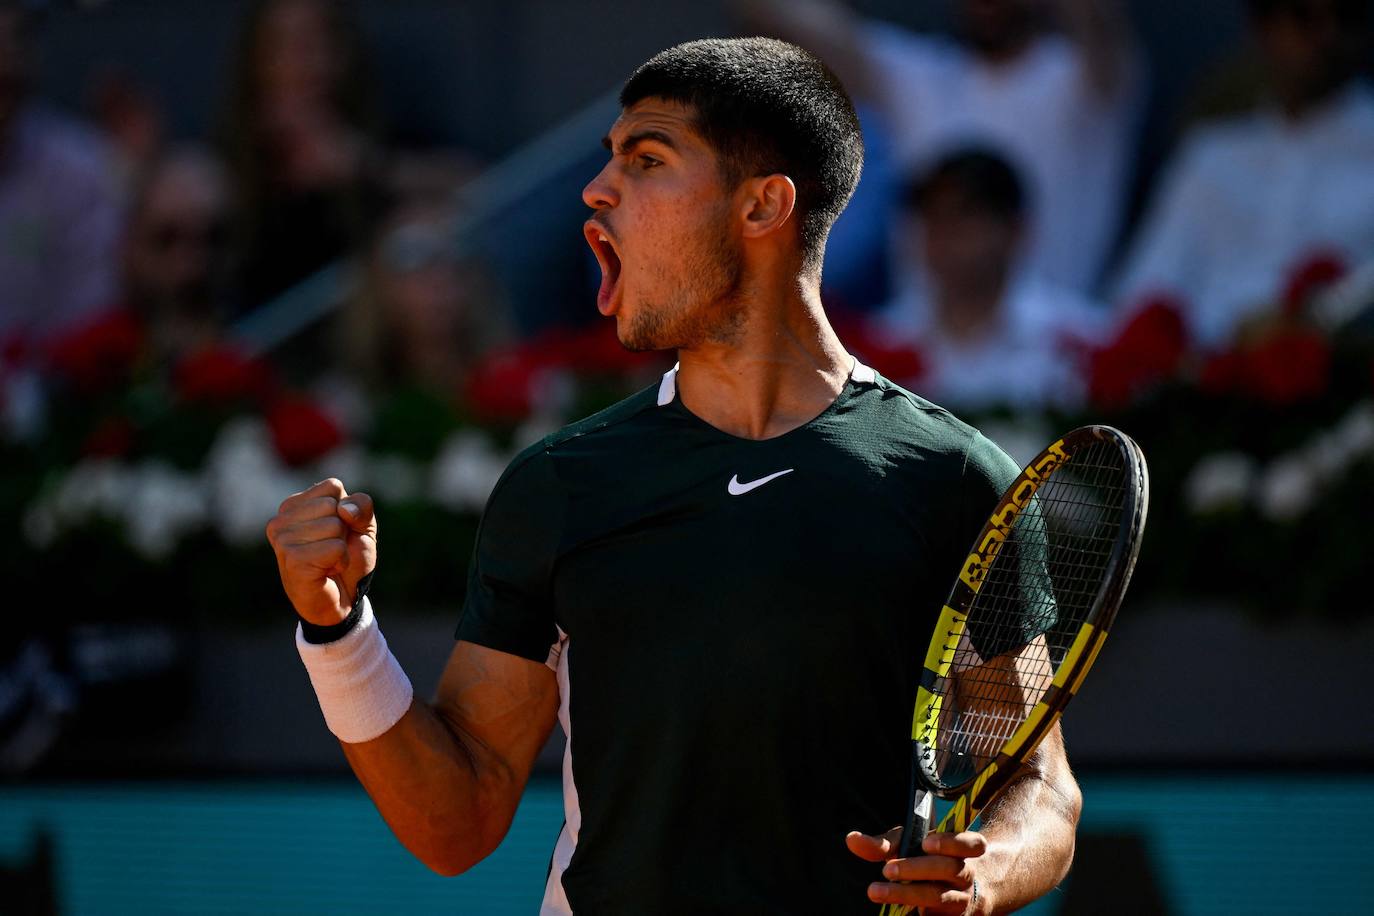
(326, 540)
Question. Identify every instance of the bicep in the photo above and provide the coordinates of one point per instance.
(503, 706)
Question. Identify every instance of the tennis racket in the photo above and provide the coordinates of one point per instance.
(1023, 623)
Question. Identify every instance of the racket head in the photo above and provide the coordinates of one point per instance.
(1027, 615)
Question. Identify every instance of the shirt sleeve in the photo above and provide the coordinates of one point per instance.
(1032, 610)
(509, 605)
(988, 471)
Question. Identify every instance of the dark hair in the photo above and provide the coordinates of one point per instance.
(766, 106)
(984, 179)
(242, 135)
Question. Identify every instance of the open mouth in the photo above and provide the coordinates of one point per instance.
(609, 259)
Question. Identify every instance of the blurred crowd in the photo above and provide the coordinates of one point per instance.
(1000, 182)
(1018, 282)
(1008, 248)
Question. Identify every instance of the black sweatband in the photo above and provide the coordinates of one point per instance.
(317, 635)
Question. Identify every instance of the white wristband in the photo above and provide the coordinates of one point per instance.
(360, 685)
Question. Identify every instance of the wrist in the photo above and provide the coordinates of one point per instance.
(321, 633)
(978, 904)
(361, 688)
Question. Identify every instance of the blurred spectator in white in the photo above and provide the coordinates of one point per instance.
(1059, 105)
(302, 139)
(176, 252)
(990, 334)
(59, 210)
(1247, 205)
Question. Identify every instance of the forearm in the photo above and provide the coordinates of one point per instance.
(445, 799)
(1030, 833)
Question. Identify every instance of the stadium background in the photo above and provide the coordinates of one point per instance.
(163, 751)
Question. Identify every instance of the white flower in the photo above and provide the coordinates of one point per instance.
(93, 489)
(1219, 481)
(396, 478)
(165, 505)
(247, 481)
(1356, 431)
(1327, 457)
(1287, 488)
(40, 525)
(466, 471)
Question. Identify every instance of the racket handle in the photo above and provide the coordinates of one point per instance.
(917, 823)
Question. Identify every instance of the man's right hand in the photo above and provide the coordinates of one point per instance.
(326, 540)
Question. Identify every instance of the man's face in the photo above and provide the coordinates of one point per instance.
(1308, 48)
(176, 243)
(963, 245)
(663, 232)
(996, 26)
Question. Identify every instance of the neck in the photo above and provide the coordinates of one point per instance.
(784, 368)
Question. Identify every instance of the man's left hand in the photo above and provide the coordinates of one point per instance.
(940, 881)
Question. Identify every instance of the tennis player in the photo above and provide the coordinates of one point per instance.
(722, 587)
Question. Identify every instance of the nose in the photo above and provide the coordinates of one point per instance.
(600, 192)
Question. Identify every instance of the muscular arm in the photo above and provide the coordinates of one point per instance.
(1029, 831)
(448, 776)
(1026, 841)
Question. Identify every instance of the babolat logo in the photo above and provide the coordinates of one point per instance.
(1004, 516)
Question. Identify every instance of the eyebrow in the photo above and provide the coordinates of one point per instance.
(633, 140)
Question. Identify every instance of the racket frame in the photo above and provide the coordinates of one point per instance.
(973, 796)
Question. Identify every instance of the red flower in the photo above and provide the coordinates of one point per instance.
(1222, 373)
(595, 349)
(901, 362)
(505, 384)
(1148, 350)
(100, 353)
(301, 431)
(221, 375)
(1289, 367)
(113, 437)
(1309, 277)
(14, 350)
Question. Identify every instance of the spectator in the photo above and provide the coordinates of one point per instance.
(303, 143)
(59, 211)
(1247, 204)
(176, 252)
(426, 314)
(1059, 107)
(991, 334)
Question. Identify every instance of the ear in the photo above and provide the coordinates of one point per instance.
(767, 204)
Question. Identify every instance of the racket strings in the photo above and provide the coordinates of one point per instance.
(1037, 591)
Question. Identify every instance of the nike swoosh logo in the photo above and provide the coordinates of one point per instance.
(739, 489)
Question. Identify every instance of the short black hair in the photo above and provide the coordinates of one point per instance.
(986, 181)
(765, 107)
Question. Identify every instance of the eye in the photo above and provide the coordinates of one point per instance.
(647, 162)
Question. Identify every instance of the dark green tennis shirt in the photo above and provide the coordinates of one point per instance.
(738, 628)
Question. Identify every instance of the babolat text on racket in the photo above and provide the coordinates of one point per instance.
(1024, 622)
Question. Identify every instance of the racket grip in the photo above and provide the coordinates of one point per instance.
(917, 824)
